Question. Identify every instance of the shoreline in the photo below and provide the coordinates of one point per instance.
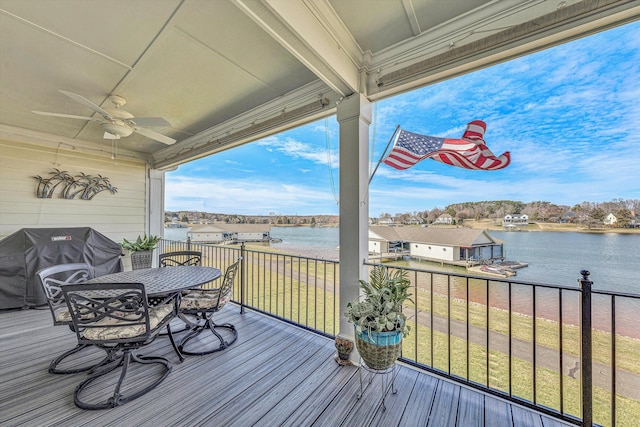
(541, 227)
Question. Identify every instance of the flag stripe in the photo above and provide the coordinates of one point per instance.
(475, 130)
(469, 152)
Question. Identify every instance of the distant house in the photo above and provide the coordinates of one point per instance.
(610, 219)
(414, 220)
(515, 219)
(462, 246)
(634, 222)
(568, 217)
(386, 220)
(230, 233)
(444, 219)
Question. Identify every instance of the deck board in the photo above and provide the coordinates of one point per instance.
(445, 405)
(471, 409)
(274, 375)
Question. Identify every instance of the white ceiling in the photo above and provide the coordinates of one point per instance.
(225, 72)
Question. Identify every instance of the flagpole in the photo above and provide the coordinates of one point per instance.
(384, 152)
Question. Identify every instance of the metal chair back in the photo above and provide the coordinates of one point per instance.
(53, 277)
(226, 287)
(170, 259)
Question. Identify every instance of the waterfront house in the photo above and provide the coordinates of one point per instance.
(414, 220)
(610, 219)
(444, 219)
(224, 74)
(458, 246)
(386, 220)
(515, 219)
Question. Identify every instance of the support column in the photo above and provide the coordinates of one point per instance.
(354, 117)
(155, 203)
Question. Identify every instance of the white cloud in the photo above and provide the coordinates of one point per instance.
(300, 150)
(258, 197)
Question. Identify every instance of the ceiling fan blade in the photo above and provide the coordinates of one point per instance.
(108, 135)
(151, 121)
(68, 116)
(154, 135)
(84, 101)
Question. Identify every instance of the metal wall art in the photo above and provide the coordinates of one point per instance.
(80, 186)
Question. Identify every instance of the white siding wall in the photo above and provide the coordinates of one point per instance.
(197, 236)
(378, 246)
(120, 215)
(445, 253)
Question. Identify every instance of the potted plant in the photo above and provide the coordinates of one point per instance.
(379, 321)
(141, 250)
(344, 348)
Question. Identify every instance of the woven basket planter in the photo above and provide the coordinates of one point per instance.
(141, 259)
(379, 350)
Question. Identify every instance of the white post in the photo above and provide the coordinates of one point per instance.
(155, 215)
(354, 117)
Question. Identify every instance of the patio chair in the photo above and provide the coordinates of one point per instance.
(117, 317)
(170, 259)
(204, 303)
(178, 258)
(52, 278)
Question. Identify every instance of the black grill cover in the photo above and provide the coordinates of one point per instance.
(28, 250)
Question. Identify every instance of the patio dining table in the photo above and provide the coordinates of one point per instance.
(163, 281)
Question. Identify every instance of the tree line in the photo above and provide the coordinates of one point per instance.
(588, 213)
(585, 212)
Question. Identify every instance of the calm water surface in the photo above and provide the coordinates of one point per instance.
(554, 258)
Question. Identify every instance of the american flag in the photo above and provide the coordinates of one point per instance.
(470, 152)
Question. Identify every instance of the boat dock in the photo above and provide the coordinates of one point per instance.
(498, 269)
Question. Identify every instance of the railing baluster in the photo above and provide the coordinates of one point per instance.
(613, 360)
(449, 325)
(243, 266)
(431, 313)
(468, 330)
(535, 365)
(510, 358)
(487, 336)
(586, 353)
(561, 350)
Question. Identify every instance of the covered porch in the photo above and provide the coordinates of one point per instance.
(227, 73)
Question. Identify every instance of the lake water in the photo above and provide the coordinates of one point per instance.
(554, 258)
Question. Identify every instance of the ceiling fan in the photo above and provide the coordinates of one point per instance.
(117, 123)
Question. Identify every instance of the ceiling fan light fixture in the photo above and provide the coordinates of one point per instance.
(117, 128)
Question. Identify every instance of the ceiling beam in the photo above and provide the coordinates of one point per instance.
(411, 16)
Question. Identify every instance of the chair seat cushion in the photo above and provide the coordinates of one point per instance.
(203, 299)
(156, 315)
(63, 316)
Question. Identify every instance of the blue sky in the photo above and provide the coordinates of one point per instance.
(569, 116)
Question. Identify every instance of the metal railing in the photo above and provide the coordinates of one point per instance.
(558, 350)
(298, 290)
(569, 352)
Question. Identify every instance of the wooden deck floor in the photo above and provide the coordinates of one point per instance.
(274, 375)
